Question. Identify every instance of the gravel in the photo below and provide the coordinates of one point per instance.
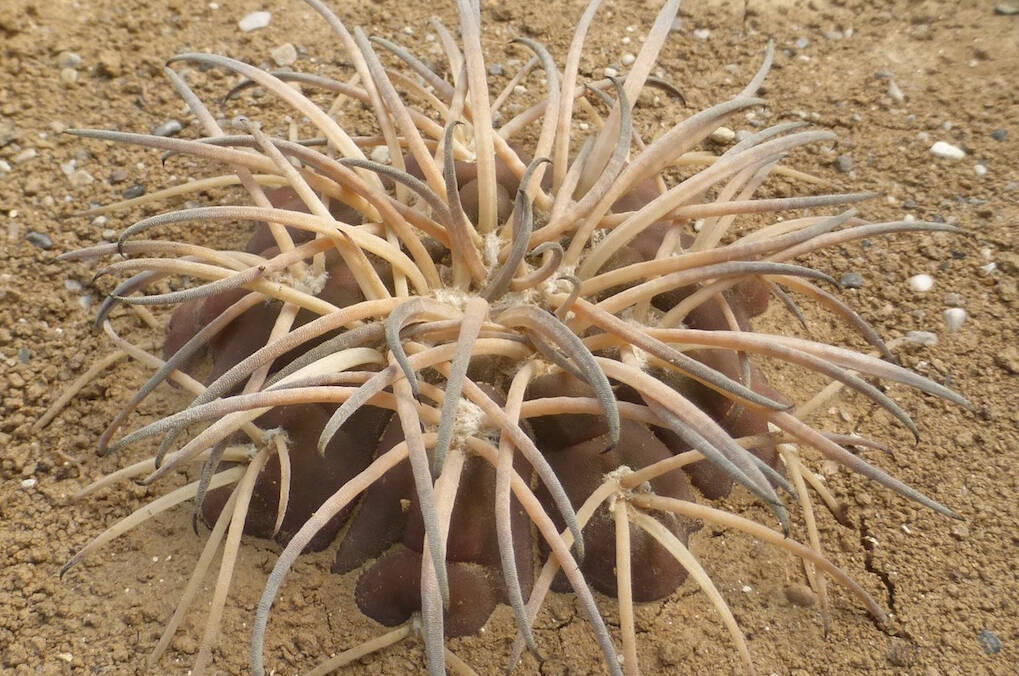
(254, 21)
(851, 280)
(844, 163)
(284, 55)
(947, 151)
(921, 283)
(955, 317)
(168, 128)
(39, 239)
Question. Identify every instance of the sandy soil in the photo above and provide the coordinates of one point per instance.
(951, 586)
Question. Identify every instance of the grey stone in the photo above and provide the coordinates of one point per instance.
(844, 163)
(851, 280)
(39, 239)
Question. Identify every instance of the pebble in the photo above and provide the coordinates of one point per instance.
(70, 60)
(284, 55)
(25, 155)
(1007, 8)
(118, 175)
(4, 166)
(168, 128)
(921, 283)
(801, 43)
(800, 595)
(954, 299)
(254, 21)
(989, 641)
(29, 483)
(851, 280)
(80, 178)
(723, 135)
(136, 190)
(947, 151)
(980, 169)
(955, 317)
(999, 134)
(68, 76)
(110, 63)
(922, 338)
(380, 154)
(610, 72)
(496, 69)
(844, 163)
(39, 239)
(627, 59)
(702, 33)
(894, 93)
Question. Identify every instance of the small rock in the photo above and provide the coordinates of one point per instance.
(955, 317)
(989, 641)
(118, 175)
(947, 151)
(1007, 8)
(960, 531)
(380, 154)
(33, 186)
(68, 76)
(844, 163)
(999, 134)
(800, 595)
(801, 43)
(4, 166)
(925, 338)
(921, 283)
(8, 132)
(627, 59)
(254, 21)
(894, 93)
(702, 33)
(110, 63)
(80, 178)
(168, 128)
(980, 169)
(496, 69)
(25, 155)
(70, 60)
(24, 354)
(610, 72)
(851, 280)
(29, 483)
(136, 190)
(723, 135)
(284, 55)
(953, 299)
(1008, 359)
(39, 239)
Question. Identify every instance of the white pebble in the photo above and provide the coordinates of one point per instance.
(894, 93)
(29, 483)
(380, 154)
(702, 33)
(254, 21)
(747, 589)
(627, 59)
(921, 283)
(955, 317)
(284, 55)
(4, 166)
(611, 72)
(922, 338)
(980, 170)
(626, 40)
(723, 135)
(25, 155)
(519, 89)
(947, 151)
